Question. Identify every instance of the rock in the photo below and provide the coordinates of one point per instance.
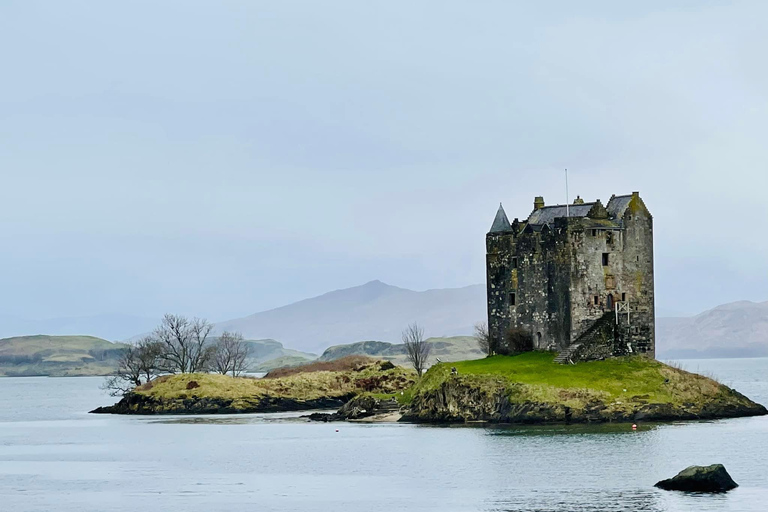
(712, 478)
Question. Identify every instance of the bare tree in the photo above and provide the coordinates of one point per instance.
(148, 356)
(183, 343)
(482, 337)
(229, 354)
(135, 362)
(416, 349)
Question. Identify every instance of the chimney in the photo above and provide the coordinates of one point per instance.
(538, 203)
(578, 200)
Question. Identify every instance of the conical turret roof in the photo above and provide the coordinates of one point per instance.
(501, 222)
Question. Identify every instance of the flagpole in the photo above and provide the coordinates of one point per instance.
(567, 200)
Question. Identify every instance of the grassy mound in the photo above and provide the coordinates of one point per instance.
(205, 393)
(530, 387)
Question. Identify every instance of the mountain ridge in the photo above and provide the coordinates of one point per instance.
(374, 310)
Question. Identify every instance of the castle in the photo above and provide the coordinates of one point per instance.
(575, 278)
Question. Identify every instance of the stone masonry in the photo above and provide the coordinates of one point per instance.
(560, 271)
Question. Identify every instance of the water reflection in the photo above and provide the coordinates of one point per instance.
(243, 419)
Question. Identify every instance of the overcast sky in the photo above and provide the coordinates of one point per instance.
(221, 158)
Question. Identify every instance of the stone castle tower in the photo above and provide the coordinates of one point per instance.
(576, 279)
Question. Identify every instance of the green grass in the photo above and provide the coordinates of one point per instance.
(533, 376)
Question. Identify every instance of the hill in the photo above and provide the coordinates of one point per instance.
(260, 351)
(454, 348)
(107, 326)
(265, 355)
(57, 355)
(374, 310)
(738, 329)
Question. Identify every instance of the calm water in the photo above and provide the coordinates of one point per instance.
(55, 457)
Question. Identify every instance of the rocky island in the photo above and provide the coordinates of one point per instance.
(529, 388)
(526, 388)
(319, 385)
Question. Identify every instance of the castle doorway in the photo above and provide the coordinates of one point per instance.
(538, 339)
(609, 303)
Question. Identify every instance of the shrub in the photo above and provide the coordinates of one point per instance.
(515, 341)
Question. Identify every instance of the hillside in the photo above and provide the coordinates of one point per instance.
(260, 351)
(374, 310)
(455, 348)
(738, 329)
(106, 326)
(57, 355)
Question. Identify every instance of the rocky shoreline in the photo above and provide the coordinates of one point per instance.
(455, 401)
(139, 404)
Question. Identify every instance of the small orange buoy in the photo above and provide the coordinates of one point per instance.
(337, 430)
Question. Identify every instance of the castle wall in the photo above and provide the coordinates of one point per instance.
(591, 281)
(636, 278)
(541, 289)
(500, 282)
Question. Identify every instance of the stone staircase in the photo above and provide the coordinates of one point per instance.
(386, 406)
(564, 357)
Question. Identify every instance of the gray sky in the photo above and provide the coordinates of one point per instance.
(220, 158)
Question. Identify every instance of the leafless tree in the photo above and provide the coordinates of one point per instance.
(482, 337)
(135, 362)
(183, 343)
(229, 354)
(416, 349)
(148, 356)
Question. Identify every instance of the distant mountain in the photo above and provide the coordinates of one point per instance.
(58, 356)
(260, 351)
(115, 327)
(374, 310)
(738, 329)
(454, 348)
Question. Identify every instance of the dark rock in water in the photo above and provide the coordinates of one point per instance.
(358, 408)
(712, 478)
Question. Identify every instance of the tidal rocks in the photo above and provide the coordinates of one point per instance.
(360, 407)
(712, 478)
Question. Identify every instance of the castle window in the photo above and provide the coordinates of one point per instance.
(594, 232)
(597, 300)
(609, 237)
(512, 299)
(514, 262)
(605, 259)
(623, 297)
